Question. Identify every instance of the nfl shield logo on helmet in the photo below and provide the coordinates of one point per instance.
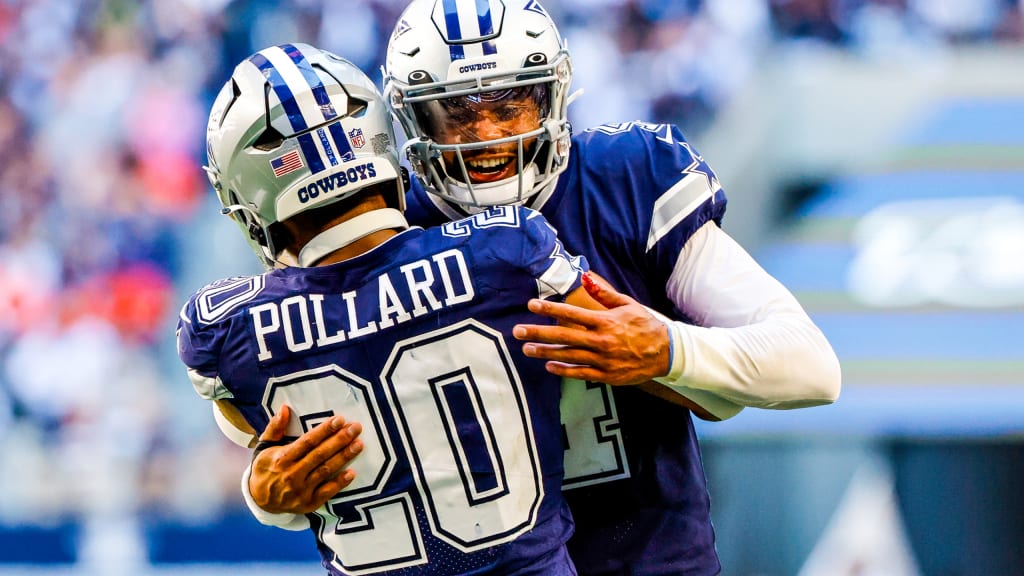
(355, 136)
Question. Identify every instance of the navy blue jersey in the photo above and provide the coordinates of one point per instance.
(631, 196)
(462, 465)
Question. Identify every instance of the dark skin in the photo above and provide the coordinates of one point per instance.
(583, 340)
(598, 321)
(301, 476)
(481, 121)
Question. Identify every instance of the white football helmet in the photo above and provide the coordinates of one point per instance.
(451, 63)
(296, 128)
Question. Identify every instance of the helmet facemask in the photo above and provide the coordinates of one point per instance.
(474, 164)
(489, 128)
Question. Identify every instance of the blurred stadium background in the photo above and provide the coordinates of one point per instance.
(873, 153)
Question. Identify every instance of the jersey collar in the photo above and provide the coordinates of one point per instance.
(348, 232)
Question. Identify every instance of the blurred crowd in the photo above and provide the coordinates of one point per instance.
(106, 216)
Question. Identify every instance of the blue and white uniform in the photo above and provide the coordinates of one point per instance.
(633, 194)
(642, 205)
(462, 465)
(645, 209)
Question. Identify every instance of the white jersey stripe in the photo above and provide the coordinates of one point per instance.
(676, 204)
(558, 278)
(292, 76)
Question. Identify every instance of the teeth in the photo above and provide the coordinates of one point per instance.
(486, 163)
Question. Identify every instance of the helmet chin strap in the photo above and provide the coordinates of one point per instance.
(503, 193)
(348, 232)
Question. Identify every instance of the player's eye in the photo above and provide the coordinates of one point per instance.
(460, 115)
(509, 113)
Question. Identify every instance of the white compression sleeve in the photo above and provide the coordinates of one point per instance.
(718, 407)
(243, 439)
(754, 344)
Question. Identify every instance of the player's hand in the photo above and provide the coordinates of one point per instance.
(623, 345)
(302, 476)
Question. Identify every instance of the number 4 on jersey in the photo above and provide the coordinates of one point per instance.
(594, 453)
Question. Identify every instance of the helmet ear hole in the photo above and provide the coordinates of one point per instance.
(269, 139)
(417, 77)
(535, 59)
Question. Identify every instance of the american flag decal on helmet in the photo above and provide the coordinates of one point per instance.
(287, 163)
(285, 66)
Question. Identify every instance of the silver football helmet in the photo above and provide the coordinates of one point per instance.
(481, 88)
(296, 128)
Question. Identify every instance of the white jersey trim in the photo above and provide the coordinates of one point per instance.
(677, 203)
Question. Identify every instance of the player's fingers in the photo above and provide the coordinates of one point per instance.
(560, 335)
(334, 465)
(304, 446)
(569, 355)
(330, 488)
(604, 293)
(577, 372)
(566, 313)
(322, 452)
(277, 425)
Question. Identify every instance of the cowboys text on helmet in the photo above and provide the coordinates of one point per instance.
(296, 128)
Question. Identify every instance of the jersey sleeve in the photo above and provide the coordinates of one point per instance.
(557, 272)
(199, 345)
(541, 254)
(655, 190)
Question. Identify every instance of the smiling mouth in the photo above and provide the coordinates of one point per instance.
(491, 168)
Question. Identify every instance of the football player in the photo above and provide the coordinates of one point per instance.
(360, 318)
(482, 89)
(696, 311)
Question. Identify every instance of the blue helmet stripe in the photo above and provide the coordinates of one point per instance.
(316, 163)
(319, 92)
(533, 6)
(344, 148)
(451, 22)
(328, 149)
(483, 17)
(284, 93)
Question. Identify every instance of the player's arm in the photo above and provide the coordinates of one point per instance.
(288, 479)
(615, 326)
(755, 345)
(233, 425)
(285, 480)
(719, 409)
